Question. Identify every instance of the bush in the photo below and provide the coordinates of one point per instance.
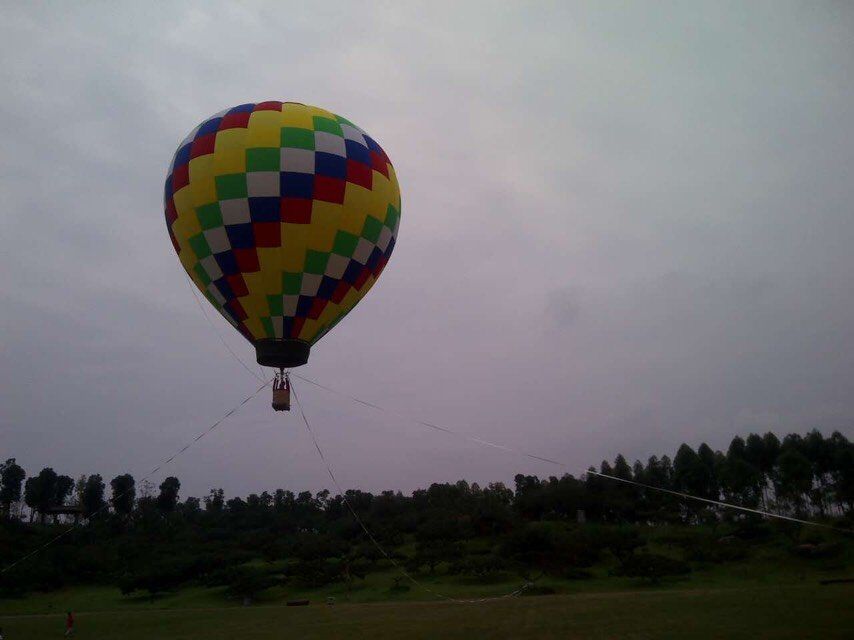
(398, 586)
(480, 566)
(652, 567)
(160, 576)
(717, 551)
(754, 529)
(553, 547)
(539, 591)
(247, 583)
(822, 550)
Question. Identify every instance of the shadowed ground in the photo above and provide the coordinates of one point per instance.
(808, 611)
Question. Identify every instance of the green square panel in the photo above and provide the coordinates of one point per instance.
(297, 138)
(232, 185)
(291, 283)
(315, 261)
(262, 159)
(268, 327)
(328, 125)
(391, 216)
(202, 274)
(275, 305)
(345, 244)
(371, 230)
(200, 246)
(209, 215)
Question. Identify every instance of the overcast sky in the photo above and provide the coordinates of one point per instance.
(624, 226)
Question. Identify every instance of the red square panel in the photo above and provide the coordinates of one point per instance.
(203, 145)
(267, 234)
(296, 210)
(340, 291)
(171, 212)
(381, 263)
(247, 261)
(317, 306)
(360, 174)
(272, 105)
(180, 177)
(235, 121)
(238, 286)
(236, 309)
(363, 277)
(378, 163)
(329, 189)
(297, 327)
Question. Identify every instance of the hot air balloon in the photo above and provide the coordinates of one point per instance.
(283, 215)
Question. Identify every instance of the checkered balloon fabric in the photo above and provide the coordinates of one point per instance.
(283, 214)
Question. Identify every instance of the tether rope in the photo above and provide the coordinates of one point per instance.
(370, 535)
(481, 441)
(143, 479)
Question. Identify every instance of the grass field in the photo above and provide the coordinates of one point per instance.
(772, 594)
(796, 612)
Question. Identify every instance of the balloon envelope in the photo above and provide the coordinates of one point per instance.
(284, 215)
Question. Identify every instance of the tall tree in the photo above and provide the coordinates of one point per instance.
(79, 487)
(123, 494)
(818, 452)
(11, 478)
(215, 500)
(40, 492)
(754, 451)
(690, 476)
(63, 488)
(31, 495)
(167, 500)
(741, 481)
(737, 449)
(710, 483)
(770, 451)
(842, 470)
(793, 482)
(93, 495)
(688, 472)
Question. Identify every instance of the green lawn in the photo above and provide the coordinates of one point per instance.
(772, 594)
(796, 612)
(766, 568)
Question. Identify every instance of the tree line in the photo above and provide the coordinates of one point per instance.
(146, 537)
(800, 475)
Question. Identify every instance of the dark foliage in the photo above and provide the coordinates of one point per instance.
(153, 542)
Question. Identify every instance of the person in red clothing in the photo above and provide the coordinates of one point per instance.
(69, 625)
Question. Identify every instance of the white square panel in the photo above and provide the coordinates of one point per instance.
(336, 266)
(211, 267)
(352, 133)
(234, 211)
(329, 143)
(363, 250)
(214, 291)
(289, 306)
(218, 239)
(262, 184)
(384, 239)
(310, 284)
(296, 160)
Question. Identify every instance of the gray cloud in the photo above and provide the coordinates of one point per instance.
(623, 227)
